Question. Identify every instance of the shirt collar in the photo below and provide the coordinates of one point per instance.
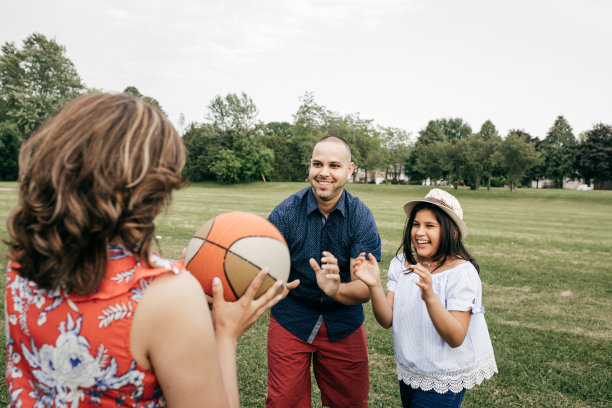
(311, 203)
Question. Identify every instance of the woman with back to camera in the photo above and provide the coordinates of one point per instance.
(434, 303)
(93, 316)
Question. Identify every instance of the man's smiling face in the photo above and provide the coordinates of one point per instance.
(330, 168)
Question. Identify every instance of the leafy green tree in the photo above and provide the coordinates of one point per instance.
(309, 124)
(203, 145)
(377, 156)
(36, 81)
(454, 162)
(430, 160)
(310, 115)
(280, 139)
(231, 148)
(454, 129)
(411, 169)
(361, 134)
(516, 155)
(432, 133)
(153, 102)
(313, 121)
(132, 90)
(492, 139)
(227, 167)
(248, 161)
(558, 149)
(474, 155)
(488, 131)
(256, 159)
(397, 143)
(593, 159)
(418, 164)
(445, 131)
(536, 172)
(10, 141)
(233, 115)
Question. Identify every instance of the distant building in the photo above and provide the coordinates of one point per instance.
(568, 184)
(377, 177)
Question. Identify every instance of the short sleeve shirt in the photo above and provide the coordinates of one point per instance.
(348, 230)
(65, 350)
(424, 359)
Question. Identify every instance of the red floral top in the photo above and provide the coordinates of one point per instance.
(68, 350)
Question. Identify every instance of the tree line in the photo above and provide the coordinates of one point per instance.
(231, 145)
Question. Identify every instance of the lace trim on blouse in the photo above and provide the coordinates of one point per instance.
(453, 381)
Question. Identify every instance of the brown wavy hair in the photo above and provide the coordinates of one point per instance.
(98, 172)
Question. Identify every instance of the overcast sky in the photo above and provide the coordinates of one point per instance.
(518, 63)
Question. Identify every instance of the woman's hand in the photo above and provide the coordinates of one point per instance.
(235, 318)
(367, 270)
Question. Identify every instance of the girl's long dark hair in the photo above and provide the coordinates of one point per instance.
(450, 238)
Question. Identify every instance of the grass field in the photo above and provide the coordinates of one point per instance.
(546, 267)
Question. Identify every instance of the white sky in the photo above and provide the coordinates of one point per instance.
(519, 63)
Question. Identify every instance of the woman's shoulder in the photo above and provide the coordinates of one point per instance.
(172, 296)
(125, 272)
(172, 303)
(177, 284)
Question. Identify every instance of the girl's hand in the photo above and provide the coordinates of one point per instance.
(427, 292)
(235, 318)
(356, 262)
(368, 270)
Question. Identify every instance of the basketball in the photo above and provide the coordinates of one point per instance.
(234, 247)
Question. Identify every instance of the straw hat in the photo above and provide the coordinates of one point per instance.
(446, 202)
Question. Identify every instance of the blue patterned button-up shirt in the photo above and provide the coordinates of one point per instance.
(348, 230)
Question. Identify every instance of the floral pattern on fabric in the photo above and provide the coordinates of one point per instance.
(69, 350)
(67, 371)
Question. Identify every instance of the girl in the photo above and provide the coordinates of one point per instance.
(434, 302)
(93, 316)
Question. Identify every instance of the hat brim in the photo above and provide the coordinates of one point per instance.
(458, 221)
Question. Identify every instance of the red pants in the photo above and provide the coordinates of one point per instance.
(340, 368)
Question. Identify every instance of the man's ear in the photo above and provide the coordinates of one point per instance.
(351, 168)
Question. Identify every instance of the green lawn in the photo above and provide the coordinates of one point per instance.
(546, 267)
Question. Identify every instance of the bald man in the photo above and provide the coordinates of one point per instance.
(321, 320)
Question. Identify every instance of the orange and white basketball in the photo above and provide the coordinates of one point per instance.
(234, 247)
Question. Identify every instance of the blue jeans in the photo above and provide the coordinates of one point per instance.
(418, 398)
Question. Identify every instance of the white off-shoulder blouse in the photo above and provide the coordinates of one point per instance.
(424, 359)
